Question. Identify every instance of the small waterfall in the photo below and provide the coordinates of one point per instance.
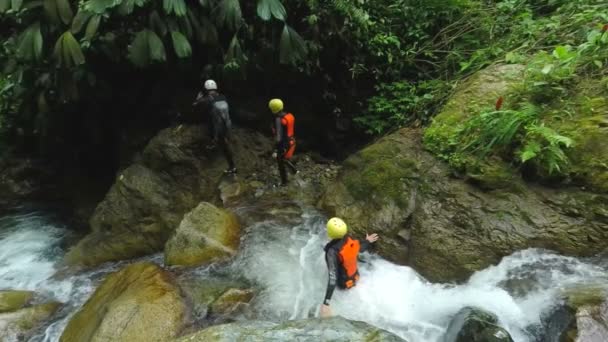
(286, 261)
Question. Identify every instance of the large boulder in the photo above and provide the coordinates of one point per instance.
(206, 234)
(476, 325)
(582, 115)
(332, 329)
(202, 293)
(231, 301)
(141, 302)
(149, 198)
(18, 325)
(447, 228)
(14, 300)
(583, 316)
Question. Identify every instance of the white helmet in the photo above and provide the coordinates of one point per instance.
(210, 85)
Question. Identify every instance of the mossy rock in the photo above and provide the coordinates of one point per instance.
(18, 325)
(202, 292)
(475, 325)
(141, 302)
(206, 234)
(14, 300)
(446, 227)
(149, 198)
(478, 92)
(332, 329)
(231, 301)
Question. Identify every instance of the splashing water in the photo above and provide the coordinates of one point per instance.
(287, 261)
(290, 266)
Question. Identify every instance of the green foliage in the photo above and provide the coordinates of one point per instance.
(402, 103)
(30, 45)
(181, 44)
(271, 8)
(67, 51)
(146, 48)
(292, 47)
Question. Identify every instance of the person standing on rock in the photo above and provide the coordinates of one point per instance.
(217, 107)
(285, 141)
(341, 258)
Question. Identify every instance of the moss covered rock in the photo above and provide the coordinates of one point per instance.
(231, 301)
(202, 292)
(138, 303)
(313, 330)
(447, 228)
(14, 300)
(206, 234)
(476, 325)
(580, 114)
(583, 316)
(19, 324)
(149, 198)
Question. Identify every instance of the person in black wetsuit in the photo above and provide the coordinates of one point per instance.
(217, 107)
(341, 258)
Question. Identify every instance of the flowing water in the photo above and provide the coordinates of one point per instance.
(286, 261)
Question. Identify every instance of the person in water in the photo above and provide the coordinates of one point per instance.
(341, 258)
(284, 136)
(217, 107)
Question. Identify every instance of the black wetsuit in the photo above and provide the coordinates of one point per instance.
(217, 107)
(337, 274)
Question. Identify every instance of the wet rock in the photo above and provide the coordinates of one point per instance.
(231, 301)
(475, 325)
(206, 234)
(583, 317)
(22, 179)
(202, 292)
(456, 228)
(149, 198)
(141, 302)
(14, 300)
(313, 330)
(19, 324)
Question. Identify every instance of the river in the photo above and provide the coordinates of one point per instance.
(286, 261)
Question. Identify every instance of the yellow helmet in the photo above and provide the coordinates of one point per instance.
(275, 105)
(336, 228)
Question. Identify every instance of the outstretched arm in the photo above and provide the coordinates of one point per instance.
(369, 239)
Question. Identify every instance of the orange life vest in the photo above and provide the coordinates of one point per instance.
(288, 121)
(347, 255)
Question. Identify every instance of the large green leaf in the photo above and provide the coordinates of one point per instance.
(4, 5)
(157, 24)
(92, 27)
(50, 9)
(178, 7)
(16, 5)
(235, 53)
(228, 14)
(100, 6)
(209, 31)
(81, 18)
(67, 51)
(127, 6)
(292, 46)
(65, 11)
(181, 45)
(271, 8)
(157, 48)
(30, 43)
(146, 48)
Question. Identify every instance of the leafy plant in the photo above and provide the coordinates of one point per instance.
(401, 103)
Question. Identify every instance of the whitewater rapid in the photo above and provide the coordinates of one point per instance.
(286, 261)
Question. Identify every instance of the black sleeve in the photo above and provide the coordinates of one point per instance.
(365, 245)
(331, 258)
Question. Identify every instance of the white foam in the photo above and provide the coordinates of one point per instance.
(291, 268)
